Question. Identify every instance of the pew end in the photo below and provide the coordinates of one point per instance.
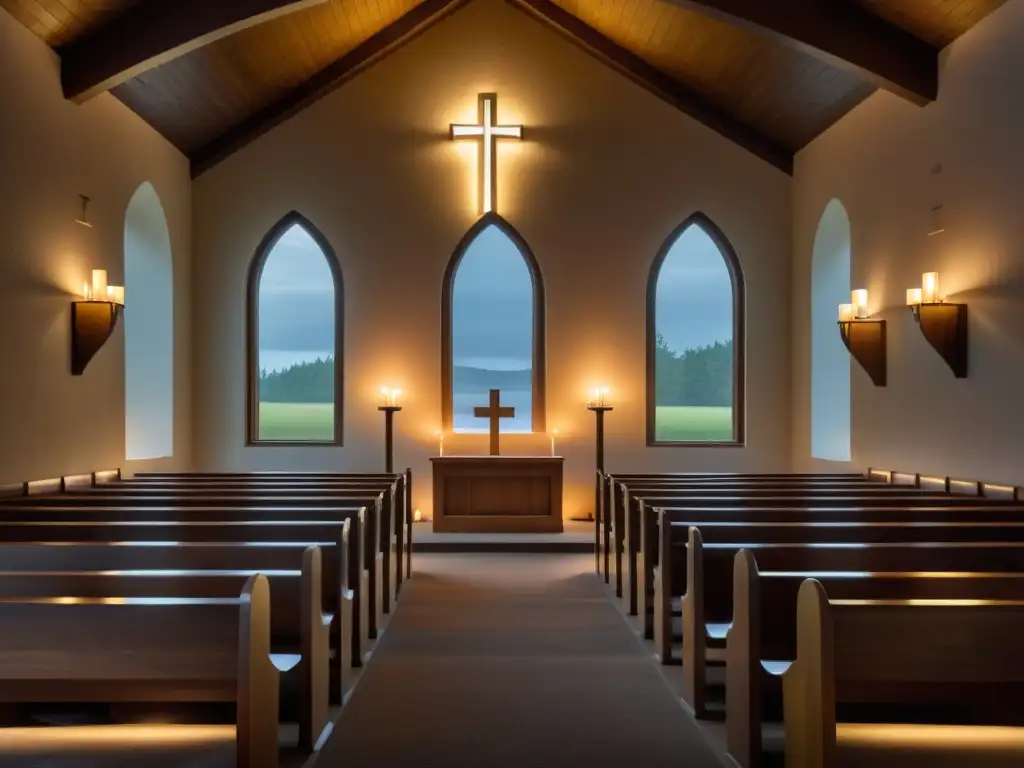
(694, 623)
(743, 682)
(904, 652)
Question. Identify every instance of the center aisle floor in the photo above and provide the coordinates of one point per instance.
(515, 660)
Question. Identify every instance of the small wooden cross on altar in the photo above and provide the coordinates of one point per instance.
(494, 412)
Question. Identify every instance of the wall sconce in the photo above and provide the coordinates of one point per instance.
(943, 325)
(864, 337)
(93, 319)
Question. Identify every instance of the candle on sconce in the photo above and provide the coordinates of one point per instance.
(846, 313)
(913, 297)
(115, 293)
(417, 516)
(86, 292)
(859, 299)
(99, 285)
(552, 436)
(930, 288)
(440, 442)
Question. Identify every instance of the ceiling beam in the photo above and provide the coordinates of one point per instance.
(392, 37)
(155, 32)
(658, 83)
(842, 33)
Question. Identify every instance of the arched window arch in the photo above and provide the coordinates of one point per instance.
(492, 320)
(149, 329)
(695, 325)
(830, 362)
(295, 332)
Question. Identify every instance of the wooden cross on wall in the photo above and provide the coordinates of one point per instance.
(495, 411)
(487, 132)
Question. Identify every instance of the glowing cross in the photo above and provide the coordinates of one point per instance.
(488, 133)
(494, 412)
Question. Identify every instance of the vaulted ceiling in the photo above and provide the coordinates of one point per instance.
(768, 74)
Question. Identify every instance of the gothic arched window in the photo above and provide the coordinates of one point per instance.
(830, 362)
(149, 329)
(492, 329)
(695, 339)
(295, 318)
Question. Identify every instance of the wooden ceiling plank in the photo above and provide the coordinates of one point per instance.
(658, 83)
(844, 34)
(153, 33)
(411, 24)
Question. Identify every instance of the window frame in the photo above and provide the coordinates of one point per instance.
(732, 263)
(255, 274)
(539, 372)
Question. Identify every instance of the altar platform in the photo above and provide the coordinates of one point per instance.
(577, 537)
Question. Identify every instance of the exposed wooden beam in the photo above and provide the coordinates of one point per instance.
(658, 83)
(415, 21)
(843, 33)
(154, 32)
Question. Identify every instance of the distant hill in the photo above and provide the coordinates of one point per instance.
(480, 378)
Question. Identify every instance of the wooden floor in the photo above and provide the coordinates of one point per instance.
(512, 660)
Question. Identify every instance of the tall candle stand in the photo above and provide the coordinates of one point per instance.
(389, 435)
(600, 520)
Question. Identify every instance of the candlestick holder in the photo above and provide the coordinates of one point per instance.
(600, 520)
(389, 435)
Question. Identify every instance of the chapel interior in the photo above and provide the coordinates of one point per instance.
(512, 383)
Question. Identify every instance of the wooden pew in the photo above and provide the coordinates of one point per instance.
(346, 588)
(762, 629)
(215, 650)
(256, 506)
(624, 521)
(677, 570)
(640, 560)
(609, 491)
(891, 651)
(405, 513)
(393, 530)
(299, 628)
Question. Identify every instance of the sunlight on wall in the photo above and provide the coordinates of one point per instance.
(830, 362)
(149, 329)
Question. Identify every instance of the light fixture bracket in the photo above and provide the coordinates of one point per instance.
(92, 323)
(866, 341)
(944, 326)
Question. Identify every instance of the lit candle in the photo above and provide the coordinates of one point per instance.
(552, 436)
(930, 291)
(395, 394)
(417, 516)
(604, 393)
(913, 297)
(99, 284)
(859, 299)
(845, 313)
(86, 292)
(440, 442)
(115, 293)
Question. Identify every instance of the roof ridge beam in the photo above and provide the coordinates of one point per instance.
(842, 33)
(338, 72)
(656, 82)
(155, 32)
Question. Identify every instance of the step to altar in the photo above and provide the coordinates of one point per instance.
(577, 537)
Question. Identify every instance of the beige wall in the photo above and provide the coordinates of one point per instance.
(878, 161)
(52, 423)
(607, 171)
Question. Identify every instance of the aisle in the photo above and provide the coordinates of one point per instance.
(511, 660)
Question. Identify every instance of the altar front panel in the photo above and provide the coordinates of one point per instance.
(497, 494)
